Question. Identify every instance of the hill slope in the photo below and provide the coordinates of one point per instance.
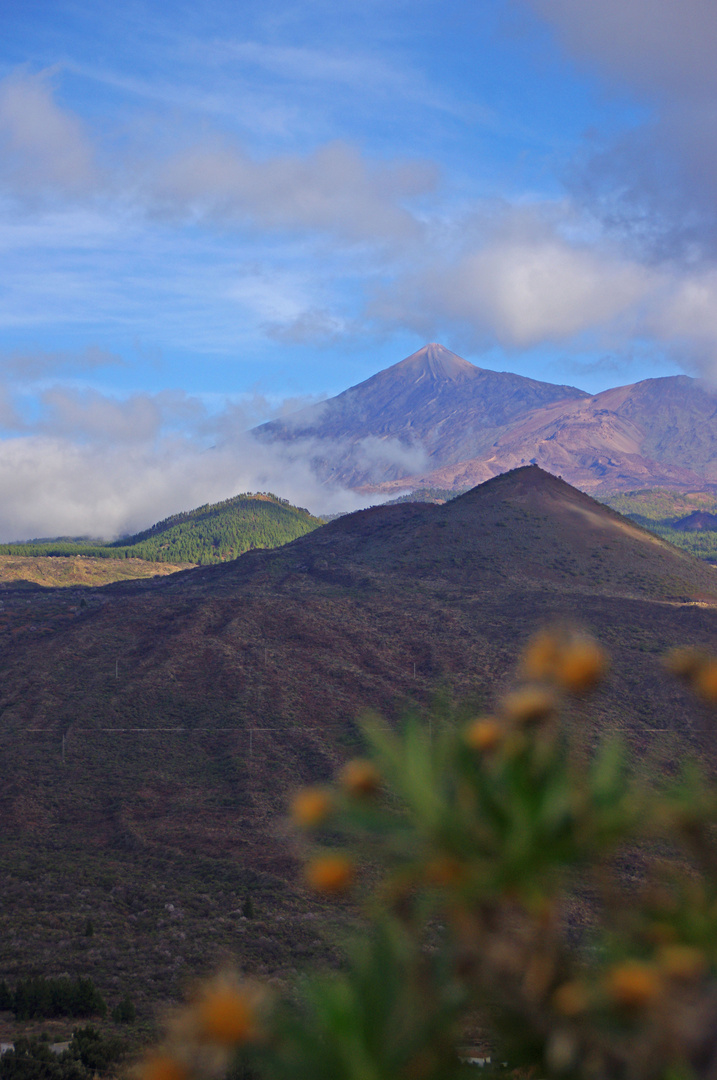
(210, 534)
(671, 515)
(71, 571)
(697, 521)
(151, 739)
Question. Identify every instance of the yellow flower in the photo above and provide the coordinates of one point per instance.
(330, 874)
(162, 1067)
(360, 778)
(581, 665)
(683, 963)
(573, 661)
(226, 1014)
(571, 998)
(529, 705)
(684, 661)
(445, 871)
(484, 734)
(633, 985)
(311, 807)
(705, 681)
(541, 655)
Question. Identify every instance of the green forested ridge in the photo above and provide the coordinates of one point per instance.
(39, 996)
(658, 509)
(210, 534)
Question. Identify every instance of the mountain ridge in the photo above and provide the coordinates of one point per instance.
(433, 406)
(435, 420)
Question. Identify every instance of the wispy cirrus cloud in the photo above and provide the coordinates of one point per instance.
(31, 364)
(332, 189)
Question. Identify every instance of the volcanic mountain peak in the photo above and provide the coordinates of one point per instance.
(437, 362)
(541, 492)
(433, 408)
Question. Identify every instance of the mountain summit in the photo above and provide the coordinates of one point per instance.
(435, 362)
(430, 410)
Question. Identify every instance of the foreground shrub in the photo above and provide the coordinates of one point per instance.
(495, 864)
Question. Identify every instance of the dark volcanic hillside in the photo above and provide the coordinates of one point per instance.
(151, 738)
(430, 410)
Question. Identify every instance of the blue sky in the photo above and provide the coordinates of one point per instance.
(212, 213)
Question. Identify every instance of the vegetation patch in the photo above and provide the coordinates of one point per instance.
(212, 533)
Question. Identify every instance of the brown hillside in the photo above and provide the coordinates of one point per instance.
(151, 739)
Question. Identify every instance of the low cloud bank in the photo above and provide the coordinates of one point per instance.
(52, 486)
(81, 462)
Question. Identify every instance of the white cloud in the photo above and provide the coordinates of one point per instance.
(653, 186)
(51, 486)
(89, 415)
(664, 47)
(43, 147)
(522, 283)
(333, 189)
(102, 466)
(529, 292)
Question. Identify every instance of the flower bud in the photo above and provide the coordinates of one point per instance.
(162, 1067)
(529, 705)
(311, 807)
(633, 985)
(360, 778)
(484, 734)
(226, 1015)
(330, 874)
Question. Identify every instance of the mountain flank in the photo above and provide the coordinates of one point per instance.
(657, 433)
(152, 735)
(436, 421)
(432, 409)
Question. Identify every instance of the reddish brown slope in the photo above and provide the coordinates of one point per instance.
(657, 433)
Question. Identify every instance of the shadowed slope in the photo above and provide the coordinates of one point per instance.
(163, 727)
